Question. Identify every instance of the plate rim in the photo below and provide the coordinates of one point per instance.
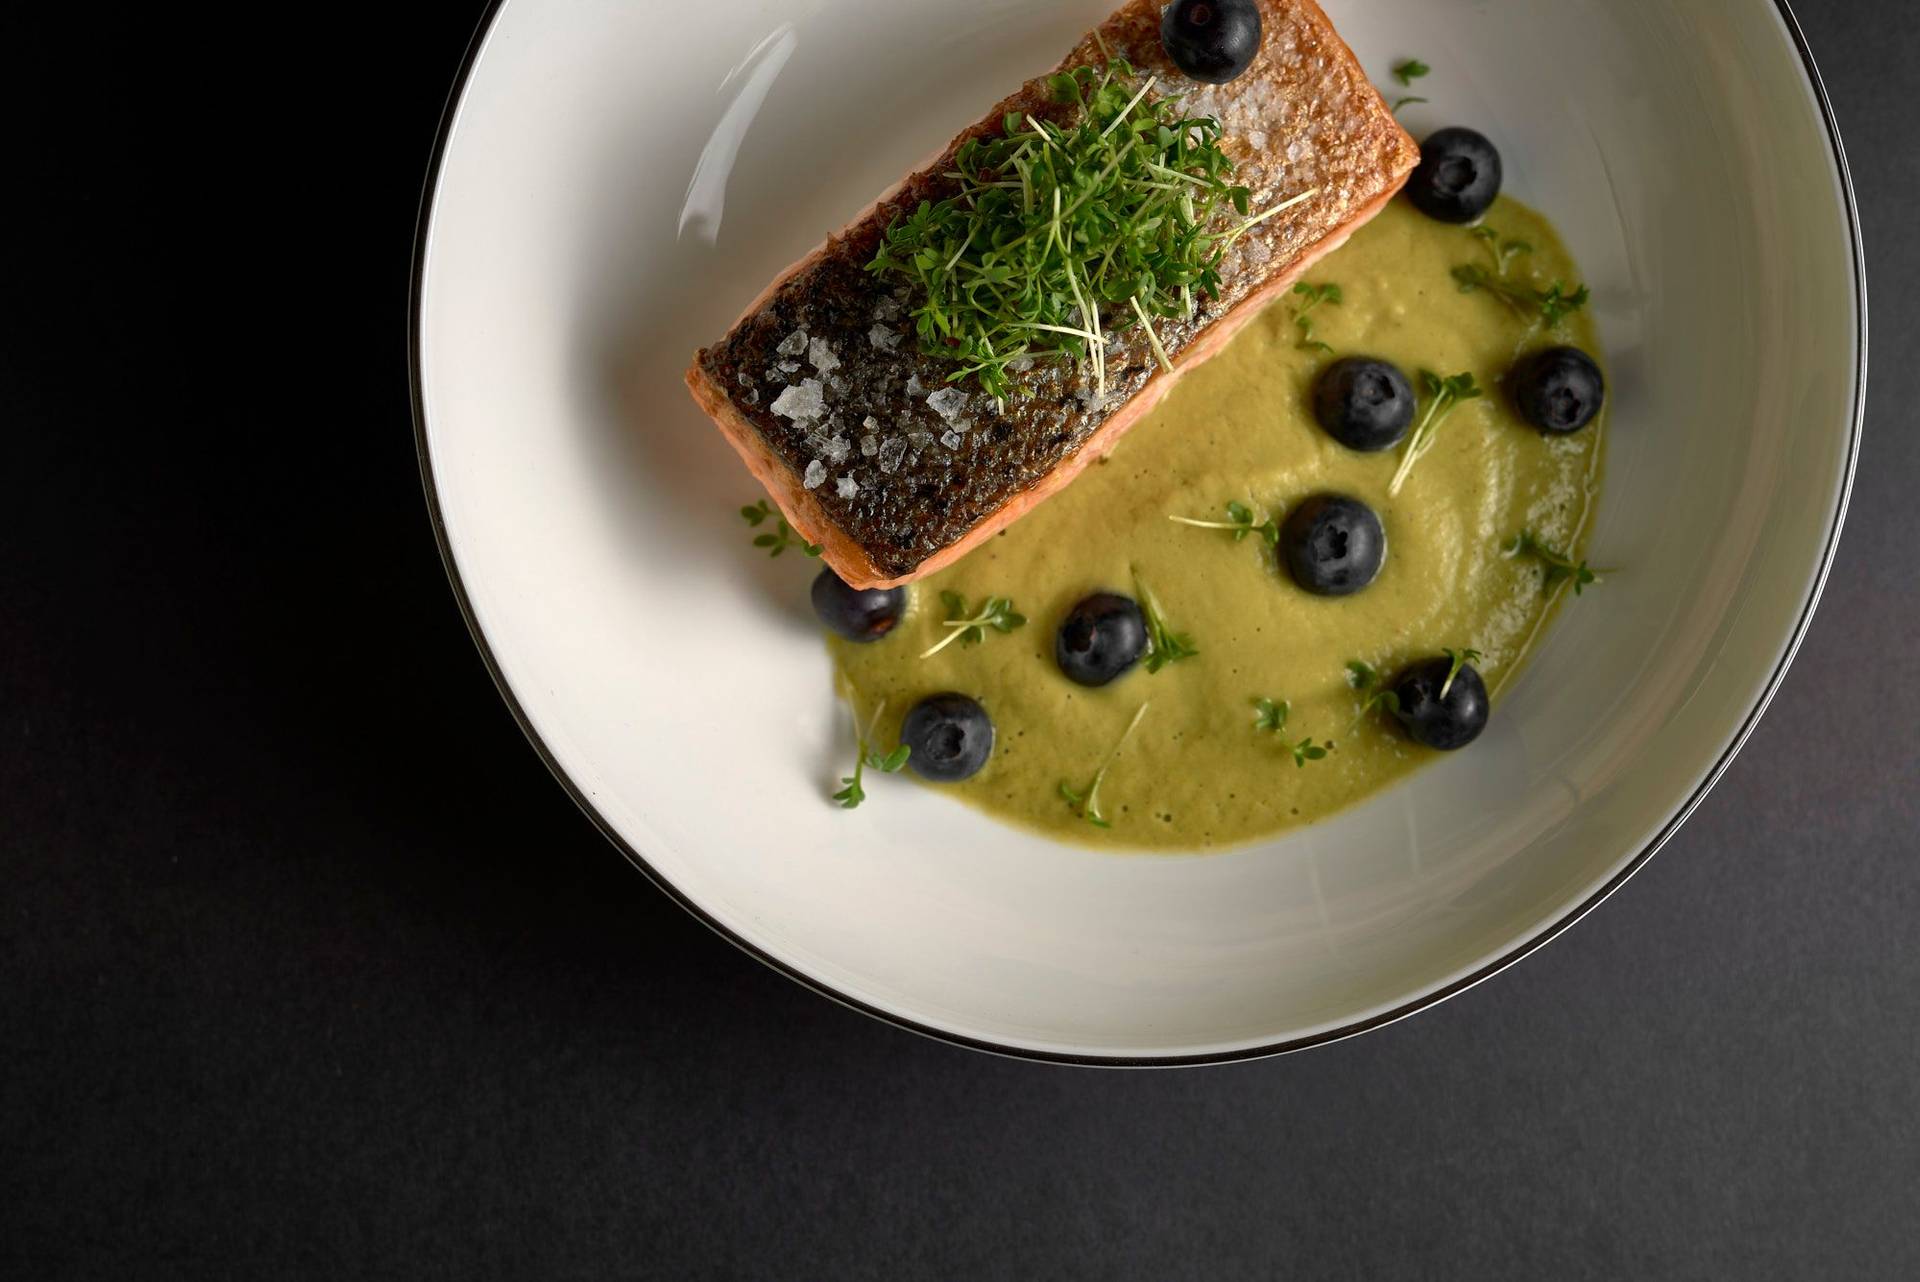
(1284, 1046)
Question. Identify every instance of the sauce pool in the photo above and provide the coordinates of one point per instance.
(1196, 774)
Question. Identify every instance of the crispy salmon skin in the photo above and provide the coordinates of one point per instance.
(872, 454)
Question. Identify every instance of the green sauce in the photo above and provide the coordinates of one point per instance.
(1196, 774)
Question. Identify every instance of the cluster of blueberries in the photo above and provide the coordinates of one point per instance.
(1331, 544)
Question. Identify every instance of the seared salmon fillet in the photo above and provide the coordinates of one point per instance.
(870, 451)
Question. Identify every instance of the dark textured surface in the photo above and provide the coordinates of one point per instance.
(307, 969)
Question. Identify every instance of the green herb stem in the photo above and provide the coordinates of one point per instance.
(1087, 804)
(1443, 394)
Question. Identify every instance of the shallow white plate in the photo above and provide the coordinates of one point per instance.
(616, 178)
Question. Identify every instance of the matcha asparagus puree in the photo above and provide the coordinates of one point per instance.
(1205, 768)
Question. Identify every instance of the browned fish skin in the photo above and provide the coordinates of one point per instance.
(916, 481)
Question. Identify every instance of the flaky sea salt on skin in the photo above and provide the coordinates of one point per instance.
(793, 344)
(816, 475)
(802, 400)
(847, 487)
(947, 402)
(822, 356)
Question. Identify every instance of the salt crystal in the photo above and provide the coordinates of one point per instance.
(886, 309)
(751, 396)
(838, 450)
(891, 453)
(1020, 364)
(947, 402)
(869, 444)
(1257, 139)
(847, 487)
(822, 356)
(887, 340)
(837, 384)
(800, 401)
(914, 387)
(816, 475)
(788, 367)
(793, 344)
(745, 379)
(950, 439)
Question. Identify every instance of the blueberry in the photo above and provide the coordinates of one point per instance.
(949, 737)
(1211, 40)
(1445, 723)
(1558, 390)
(1458, 176)
(1333, 545)
(858, 614)
(1364, 404)
(1100, 639)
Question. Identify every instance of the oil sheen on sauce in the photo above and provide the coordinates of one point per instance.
(1196, 774)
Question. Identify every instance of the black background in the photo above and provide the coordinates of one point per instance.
(307, 968)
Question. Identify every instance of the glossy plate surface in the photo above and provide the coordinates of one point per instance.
(609, 191)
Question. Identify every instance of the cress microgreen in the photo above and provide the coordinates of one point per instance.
(1239, 523)
(1303, 320)
(1087, 804)
(1443, 394)
(1164, 645)
(1559, 566)
(1456, 660)
(1114, 210)
(1408, 70)
(1365, 678)
(781, 537)
(1270, 717)
(1406, 101)
(1552, 304)
(864, 755)
(995, 612)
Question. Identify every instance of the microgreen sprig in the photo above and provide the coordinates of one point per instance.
(1118, 200)
(1552, 304)
(781, 537)
(995, 612)
(1302, 318)
(1366, 679)
(1408, 70)
(887, 763)
(1087, 804)
(1271, 717)
(1164, 645)
(1239, 522)
(1443, 394)
(1559, 566)
(1456, 659)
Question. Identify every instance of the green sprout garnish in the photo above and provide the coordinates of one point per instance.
(995, 612)
(1552, 305)
(1559, 566)
(1239, 522)
(1271, 717)
(1164, 645)
(1365, 678)
(781, 537)
(1303, 321)
(1457, 659)
(1442, 395)
(853, 794)
(1087, 804)
(1408, 70)
(1118, 201)
(1407, 101)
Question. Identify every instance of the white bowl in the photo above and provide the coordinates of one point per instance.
(574, 249)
